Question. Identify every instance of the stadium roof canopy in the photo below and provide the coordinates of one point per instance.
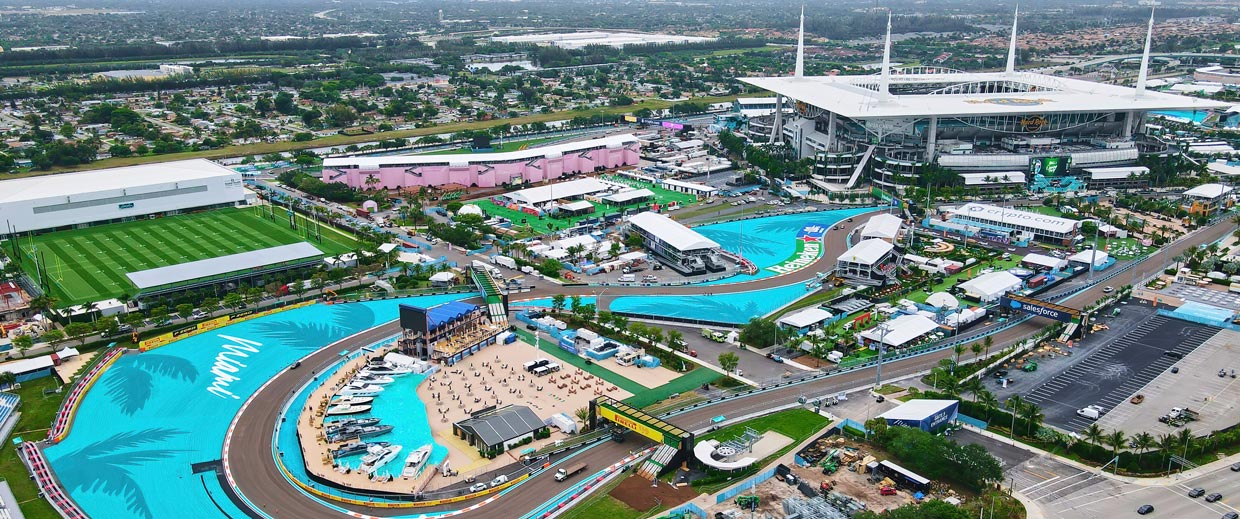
(70, 185)
(672, 232)
(181, 272)
(858, 96)
(553, 151)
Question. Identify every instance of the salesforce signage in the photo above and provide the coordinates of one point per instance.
(1039, 308)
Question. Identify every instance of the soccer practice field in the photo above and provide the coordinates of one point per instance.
(90, 264)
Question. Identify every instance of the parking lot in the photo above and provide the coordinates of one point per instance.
(1118, 363)
(1197, 386)
(1209, 295)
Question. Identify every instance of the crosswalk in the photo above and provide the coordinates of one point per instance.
(1085, 376)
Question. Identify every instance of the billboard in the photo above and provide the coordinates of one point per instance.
(639, 422)
(631, 424)
(1050, 166)
(1039, 308)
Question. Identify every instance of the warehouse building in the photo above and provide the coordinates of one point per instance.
(66, 200)
(497, 430)
(484, 169)
(927, 415)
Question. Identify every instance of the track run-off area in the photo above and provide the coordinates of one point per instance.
(157, 431)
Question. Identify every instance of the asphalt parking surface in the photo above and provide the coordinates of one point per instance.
(1209, 296)
(1115, 368)
(1106, 499)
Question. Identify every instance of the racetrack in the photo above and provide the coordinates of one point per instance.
(251, 470)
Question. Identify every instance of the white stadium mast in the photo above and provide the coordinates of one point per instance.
(1145, 57)
(1011, 61)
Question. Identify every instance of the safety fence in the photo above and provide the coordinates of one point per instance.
(32, 456)
(748, 484)
(211, 324)
(68, 409)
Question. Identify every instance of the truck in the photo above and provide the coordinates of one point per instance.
(361, 213)
(572, 470)
(1092, 412)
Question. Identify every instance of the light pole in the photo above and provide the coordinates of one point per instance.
(882, 337)
(1093, 257)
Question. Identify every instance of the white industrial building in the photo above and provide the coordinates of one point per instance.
(867, 262)
(1037, 261)
(682, 248)
(990, 287)
(116, 194)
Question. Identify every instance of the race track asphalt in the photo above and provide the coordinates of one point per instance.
(255, 475)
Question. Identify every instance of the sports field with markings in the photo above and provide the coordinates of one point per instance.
(90, 264)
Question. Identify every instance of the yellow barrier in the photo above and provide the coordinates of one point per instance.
(402, 504)
(206, 326)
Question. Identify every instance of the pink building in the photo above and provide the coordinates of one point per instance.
(484, 169)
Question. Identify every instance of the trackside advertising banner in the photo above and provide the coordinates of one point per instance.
(809, 248)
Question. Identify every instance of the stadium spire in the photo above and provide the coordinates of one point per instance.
(799, 71)
(1145, 57)
(886, 73)
(1011, 62)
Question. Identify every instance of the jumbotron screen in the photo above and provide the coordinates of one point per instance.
(1050, 166)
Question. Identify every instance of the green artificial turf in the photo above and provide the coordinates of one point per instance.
(90, 264)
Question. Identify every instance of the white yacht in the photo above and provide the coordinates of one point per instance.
(417, 458)
(376, 458)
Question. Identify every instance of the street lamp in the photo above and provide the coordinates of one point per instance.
(882, 337)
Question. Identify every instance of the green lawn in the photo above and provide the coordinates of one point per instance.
(523, 221)
(37, 411)
(798, 424)
(90, 264)
(968, 273)
(509, 145)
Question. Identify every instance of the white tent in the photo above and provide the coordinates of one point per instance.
(900, 331)
(563, 422)
(470, 209)
(988, 287)
(805, 318)
(1087, 255)
(943, 300)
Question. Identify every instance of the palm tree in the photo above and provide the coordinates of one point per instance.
(1032, 415)
(976, 349)
(973, 386)
(987, 400)
(90, 308)
(957, 349)
(1166, 442)
(1117, 439)
(1143, 442)
(1093, 434)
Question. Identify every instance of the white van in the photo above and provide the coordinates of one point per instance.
(627, 278)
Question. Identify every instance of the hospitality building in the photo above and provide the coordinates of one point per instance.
(682, 248)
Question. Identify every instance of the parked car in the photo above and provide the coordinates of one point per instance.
(1145, 509)
(477, 487)
(1108, 289)
(499, 480)
(1235, 467)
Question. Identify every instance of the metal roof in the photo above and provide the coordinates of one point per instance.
(1006, 216)
(1113, 173)
(919, 409)
(128, 177)
(867, 252)
(547, 193)
(672, 232)
(503, 424)
(625, 196)
(149, 278)
(806, 317)
(464, 159)
(856, 96)
(900, 330)
(882, 226)
(992, 284)
(1209, 191)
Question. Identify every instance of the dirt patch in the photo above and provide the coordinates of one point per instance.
(638, 493)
